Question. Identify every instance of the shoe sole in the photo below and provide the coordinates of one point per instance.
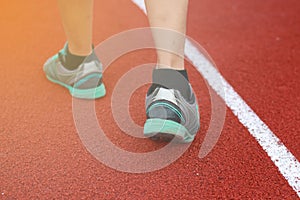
(167, 130)
(92, 93)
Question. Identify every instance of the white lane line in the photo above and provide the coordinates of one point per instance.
(286, 162)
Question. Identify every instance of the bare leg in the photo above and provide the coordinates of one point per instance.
(169, 14)
(77, 19)
(170, 82)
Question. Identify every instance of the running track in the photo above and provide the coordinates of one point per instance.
(255, 45)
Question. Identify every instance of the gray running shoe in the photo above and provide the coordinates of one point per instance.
(170, 115)
(84, 82)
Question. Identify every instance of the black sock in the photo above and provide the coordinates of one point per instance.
(171, 79)
(72, 61)
(184, 74)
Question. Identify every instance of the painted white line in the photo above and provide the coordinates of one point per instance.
(286, 162)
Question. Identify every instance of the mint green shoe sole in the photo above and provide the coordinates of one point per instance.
(93, 93)
(167, 129)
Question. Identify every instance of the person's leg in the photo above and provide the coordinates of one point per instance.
(77, 20)
(171, 106)
(76, 67)
(169, 14)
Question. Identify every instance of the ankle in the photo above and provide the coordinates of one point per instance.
(80, 50)
(72, 61)
(171, 79)
(176, 64)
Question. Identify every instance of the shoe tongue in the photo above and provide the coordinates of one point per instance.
(172, 79)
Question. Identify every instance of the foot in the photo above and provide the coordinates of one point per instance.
(170, 114)
(83, 82)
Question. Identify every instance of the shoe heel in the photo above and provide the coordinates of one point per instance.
(154, 128)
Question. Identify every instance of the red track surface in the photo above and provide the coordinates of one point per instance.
(255, 45)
